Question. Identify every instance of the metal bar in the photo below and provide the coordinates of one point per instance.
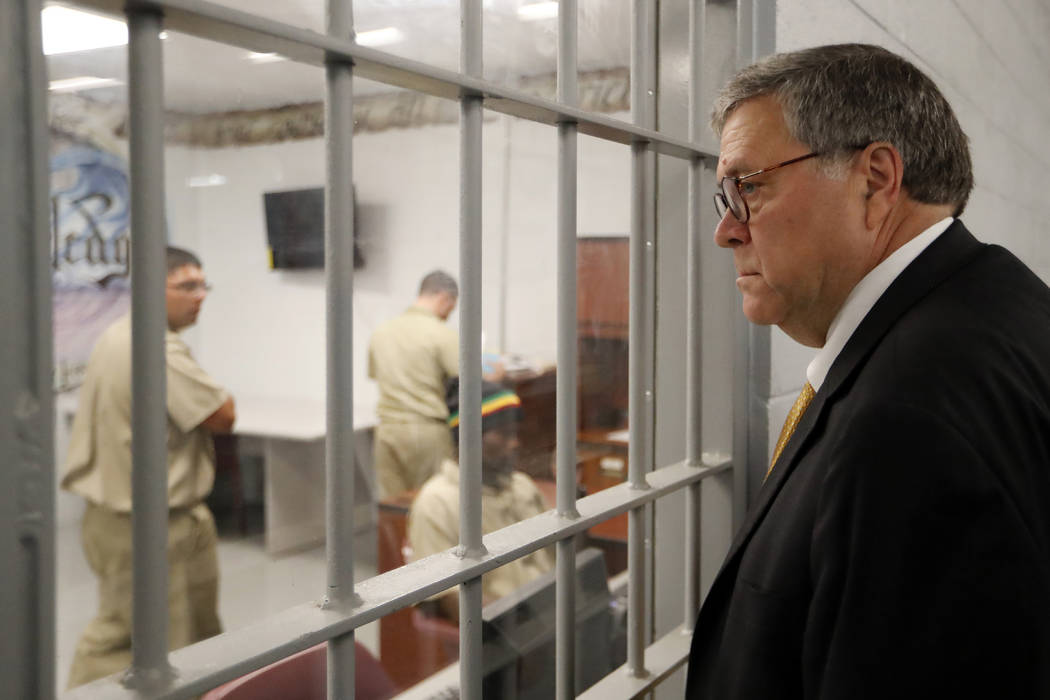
(27, 502)
(565, 620)
(694, 327)
(636, 533)
(694, 349)
(149, 478)
(470, 312)
(339, 284)
(692, 556)
(745, 32)
(666, 655)
(232, 27)
(646, 118)
(470, 171)
(638, 318)
(565, 600)
(638, 366)
(214, 661)
(566, 250)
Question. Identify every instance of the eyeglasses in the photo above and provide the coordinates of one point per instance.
(191, 287)
(732, 195)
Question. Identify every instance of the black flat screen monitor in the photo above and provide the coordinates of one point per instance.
(295, 229)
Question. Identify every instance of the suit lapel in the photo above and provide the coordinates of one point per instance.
(944, 256)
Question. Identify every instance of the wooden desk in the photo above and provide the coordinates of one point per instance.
(290, 434)
(602, 462)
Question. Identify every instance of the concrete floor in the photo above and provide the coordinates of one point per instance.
(252, 585)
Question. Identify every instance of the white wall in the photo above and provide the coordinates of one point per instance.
(992, 62)
(262, 331)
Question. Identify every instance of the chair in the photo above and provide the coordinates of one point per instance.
(303, 676)
(412, 646)
(228, 466)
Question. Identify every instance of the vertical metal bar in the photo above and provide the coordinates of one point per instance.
(745, 32)
(27, 503)
(744, 365)
(638, 365)
(149, 426)
(646, 435)
(339, 283)
(567, 214)
(470, 351)
(640, 195)
(694, 349)
(694, 346)
(565, 603)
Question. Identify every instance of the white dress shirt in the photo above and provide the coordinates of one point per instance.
(863, 297)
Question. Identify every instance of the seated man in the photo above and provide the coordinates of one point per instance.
(507, 496)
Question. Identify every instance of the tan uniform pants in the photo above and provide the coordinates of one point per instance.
(407, 454)
(193, 586)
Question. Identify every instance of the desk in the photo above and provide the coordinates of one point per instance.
(602, 462)
(291, 435)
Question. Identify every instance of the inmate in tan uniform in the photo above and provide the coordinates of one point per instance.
(411, 357)
(433, 525)
(99, 469)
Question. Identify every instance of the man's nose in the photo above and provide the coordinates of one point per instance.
(730, 233)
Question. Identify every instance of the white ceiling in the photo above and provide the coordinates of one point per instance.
(202, 76)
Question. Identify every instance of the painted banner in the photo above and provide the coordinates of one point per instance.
(90, 254)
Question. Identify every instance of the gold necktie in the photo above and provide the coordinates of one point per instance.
(791, 422)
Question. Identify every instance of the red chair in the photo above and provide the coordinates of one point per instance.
(303, 676)
(412, 646)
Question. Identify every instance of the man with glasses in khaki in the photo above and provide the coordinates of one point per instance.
(899, 546)
(98, 467)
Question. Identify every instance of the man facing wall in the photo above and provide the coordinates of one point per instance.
(412, 357)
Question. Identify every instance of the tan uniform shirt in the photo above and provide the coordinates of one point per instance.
(411, 357)
(98, 466)
(433, 524)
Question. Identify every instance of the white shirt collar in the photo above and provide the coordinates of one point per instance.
(863, 297)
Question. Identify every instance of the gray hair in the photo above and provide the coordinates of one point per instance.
(841, 97)
(437, 282)
(180, 257)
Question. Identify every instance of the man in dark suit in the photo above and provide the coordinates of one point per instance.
(900, 544)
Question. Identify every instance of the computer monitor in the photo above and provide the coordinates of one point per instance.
(295, 229)
(518, 654)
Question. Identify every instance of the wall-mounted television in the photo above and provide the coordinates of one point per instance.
(295, 229)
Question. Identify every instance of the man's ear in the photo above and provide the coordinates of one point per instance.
(883, 171)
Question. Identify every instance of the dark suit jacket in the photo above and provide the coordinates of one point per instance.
(901, 546)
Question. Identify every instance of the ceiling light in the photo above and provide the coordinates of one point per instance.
(84, 82)
(213, 180)
(538, 10)
(66, 31)
(379, 37)
(257, 57)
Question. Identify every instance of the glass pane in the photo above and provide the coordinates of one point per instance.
(245, 169)
(90, 263)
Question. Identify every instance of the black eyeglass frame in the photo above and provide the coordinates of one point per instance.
(725, 199)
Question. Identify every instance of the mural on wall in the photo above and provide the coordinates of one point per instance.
(90, 254)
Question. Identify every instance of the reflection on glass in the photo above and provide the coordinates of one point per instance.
(244, 124)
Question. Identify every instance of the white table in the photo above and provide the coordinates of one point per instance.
(292, 436)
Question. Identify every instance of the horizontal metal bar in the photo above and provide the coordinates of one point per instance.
(662, 658)
(233, 27)
(232, 654)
